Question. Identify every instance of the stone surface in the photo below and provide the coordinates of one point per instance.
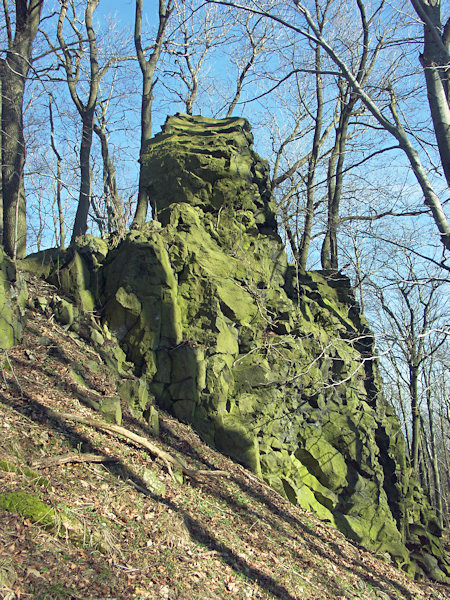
(271, 366)
(153, 483)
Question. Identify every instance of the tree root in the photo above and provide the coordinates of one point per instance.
(170, 461)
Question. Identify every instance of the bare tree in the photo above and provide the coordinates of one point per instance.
(393, 124)
(435, 61)
(387, 117)
(347, 108)
(84, 89)
(71, 62)
(253, 46)
(296, 192)
(432, 375)
(194, 33)
(148, 66)
(60, 234)
(111, 198)
(415, 331)
(14, 68)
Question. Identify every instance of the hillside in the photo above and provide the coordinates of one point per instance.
(126, 528)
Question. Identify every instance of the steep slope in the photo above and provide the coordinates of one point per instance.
(126, 529)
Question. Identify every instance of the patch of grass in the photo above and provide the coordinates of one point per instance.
(56, 591)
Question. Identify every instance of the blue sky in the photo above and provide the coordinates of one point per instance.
(266, 115)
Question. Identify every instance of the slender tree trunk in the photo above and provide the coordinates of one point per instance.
(404, 416)
(62, 233)
(445, 460)
(59, 227)
(309, 215)
(148, 67)
(80, 225)
(307, 230)
(329, 252)
(434, 462)
(112, 200)
(325, 252)
(424, 471)
(13, 71)
(86, 109)
(146, 134)
(415, 415)
(335, 201)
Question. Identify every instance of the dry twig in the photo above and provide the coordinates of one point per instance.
(53, 461)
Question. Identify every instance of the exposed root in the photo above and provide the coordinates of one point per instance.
(170, 461)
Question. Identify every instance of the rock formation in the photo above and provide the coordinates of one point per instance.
(273, 367)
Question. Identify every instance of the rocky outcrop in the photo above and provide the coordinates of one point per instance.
(273, 367)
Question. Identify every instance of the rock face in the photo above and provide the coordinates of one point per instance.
(273, 367)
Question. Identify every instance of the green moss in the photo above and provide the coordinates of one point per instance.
(134, 393)
(10, 467)
(64, 312)
(153, 483)
(29, 507)
(13, 297)
(38, 512)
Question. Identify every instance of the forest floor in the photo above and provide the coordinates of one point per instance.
(211, 538)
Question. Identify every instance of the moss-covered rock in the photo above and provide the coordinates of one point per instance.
(10, 467)
(60, 523)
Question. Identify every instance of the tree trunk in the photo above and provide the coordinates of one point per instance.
(435, 61)
(325, 252)
(415, 416)
(112, 200)
(148, 67)
(329, 252)
(434, 462)
(80, 225)
(59, 225)
(13, 155)
(309, 216)
(146, 134)
(335, 200)
(13, 72)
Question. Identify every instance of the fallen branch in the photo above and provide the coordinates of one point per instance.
(169, 460)
(53, 461)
